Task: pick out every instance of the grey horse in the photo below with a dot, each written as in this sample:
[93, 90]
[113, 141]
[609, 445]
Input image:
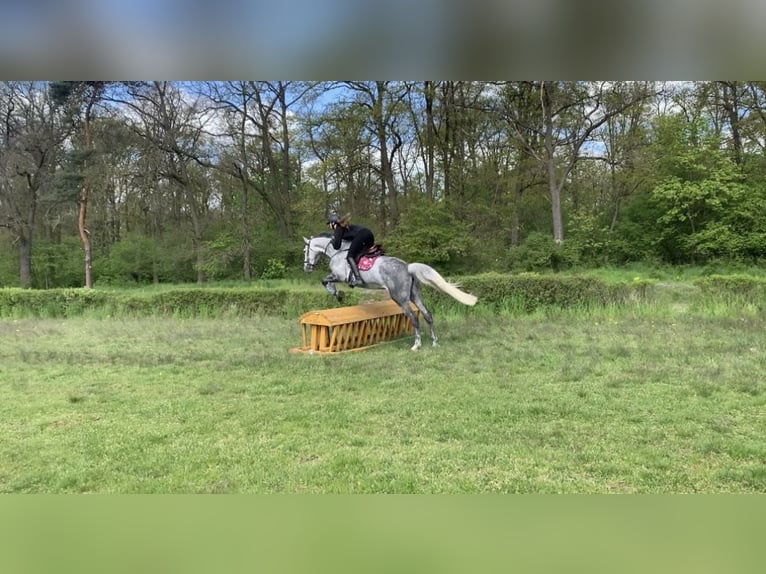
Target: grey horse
[401, 280]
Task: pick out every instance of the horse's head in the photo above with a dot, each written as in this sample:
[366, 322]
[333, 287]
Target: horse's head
[311, 253]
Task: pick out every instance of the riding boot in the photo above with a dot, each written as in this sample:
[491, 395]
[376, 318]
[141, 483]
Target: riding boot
[354, 278]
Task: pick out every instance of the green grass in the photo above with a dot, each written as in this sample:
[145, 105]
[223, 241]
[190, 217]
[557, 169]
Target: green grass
[670, 273]
[666, 398]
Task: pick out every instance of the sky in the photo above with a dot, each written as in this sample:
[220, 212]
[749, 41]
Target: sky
[395, 39]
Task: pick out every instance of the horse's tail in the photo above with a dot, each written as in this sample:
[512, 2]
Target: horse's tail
[431, 277]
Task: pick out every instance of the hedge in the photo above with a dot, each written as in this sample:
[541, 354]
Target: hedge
[496, 291]
[744, 287]
[184, 302]
[530, 291]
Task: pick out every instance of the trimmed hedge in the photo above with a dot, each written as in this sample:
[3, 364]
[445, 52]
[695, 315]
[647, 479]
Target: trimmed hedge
[494, 290]
[183, 302]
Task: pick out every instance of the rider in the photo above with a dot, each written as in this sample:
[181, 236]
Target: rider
[361, 240]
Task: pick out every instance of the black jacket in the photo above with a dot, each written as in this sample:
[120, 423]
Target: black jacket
[349, 234]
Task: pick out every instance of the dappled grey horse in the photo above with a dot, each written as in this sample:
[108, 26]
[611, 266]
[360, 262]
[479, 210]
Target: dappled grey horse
[400, 279]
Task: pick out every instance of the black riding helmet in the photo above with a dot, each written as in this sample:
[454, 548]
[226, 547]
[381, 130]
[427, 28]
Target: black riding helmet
[333, 218]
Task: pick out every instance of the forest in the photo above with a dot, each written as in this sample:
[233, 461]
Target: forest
[136, 182]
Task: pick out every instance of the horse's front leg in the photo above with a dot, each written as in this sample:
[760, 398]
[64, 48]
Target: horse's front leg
[329, 284]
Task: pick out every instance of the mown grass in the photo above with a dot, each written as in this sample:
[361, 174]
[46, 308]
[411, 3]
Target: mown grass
[650, 398]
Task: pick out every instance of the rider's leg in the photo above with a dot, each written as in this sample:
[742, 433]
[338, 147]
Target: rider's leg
[355, 278]
[358, 246]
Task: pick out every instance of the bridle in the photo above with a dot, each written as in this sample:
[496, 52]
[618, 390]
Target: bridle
[308, 266]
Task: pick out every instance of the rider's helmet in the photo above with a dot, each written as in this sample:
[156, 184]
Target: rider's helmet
[333, 218]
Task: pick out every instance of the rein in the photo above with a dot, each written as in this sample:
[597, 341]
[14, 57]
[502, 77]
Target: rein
[308, 265]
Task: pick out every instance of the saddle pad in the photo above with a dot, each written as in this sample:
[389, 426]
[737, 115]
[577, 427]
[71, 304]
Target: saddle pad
[366, 263]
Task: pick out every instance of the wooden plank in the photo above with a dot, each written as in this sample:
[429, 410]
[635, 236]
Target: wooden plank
[353, 313]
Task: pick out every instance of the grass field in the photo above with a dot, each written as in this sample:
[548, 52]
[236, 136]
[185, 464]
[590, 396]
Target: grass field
[656, 399]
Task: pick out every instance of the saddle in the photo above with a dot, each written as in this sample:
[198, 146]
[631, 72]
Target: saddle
[368, 258]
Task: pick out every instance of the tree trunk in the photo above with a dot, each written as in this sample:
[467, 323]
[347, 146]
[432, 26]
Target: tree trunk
[731, 106]
[430, 138]
[247, 271]
[287, 178]
[83, 211]
[550, 163]
[25, 258]
[85, 238]
[387, 173]
[246, 246]
[558, 225]
[516, 216]
[615, 215]
[448, 98]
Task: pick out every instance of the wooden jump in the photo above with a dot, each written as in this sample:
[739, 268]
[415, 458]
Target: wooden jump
[352, 328]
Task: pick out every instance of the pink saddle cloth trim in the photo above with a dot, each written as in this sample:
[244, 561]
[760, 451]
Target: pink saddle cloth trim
[366, 263]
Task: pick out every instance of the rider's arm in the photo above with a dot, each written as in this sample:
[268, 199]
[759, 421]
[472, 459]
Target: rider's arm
[338, 238]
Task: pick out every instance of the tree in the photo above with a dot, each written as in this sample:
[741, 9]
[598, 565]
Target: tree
[423, 118]
[338, 135]
[429, 233]
[82, 96]
[171, 120]
[571, 113]
[383, 101]
[707, 209]
[517, 108]
[31, 139]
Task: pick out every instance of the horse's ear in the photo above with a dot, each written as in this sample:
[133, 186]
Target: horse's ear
[305, 240]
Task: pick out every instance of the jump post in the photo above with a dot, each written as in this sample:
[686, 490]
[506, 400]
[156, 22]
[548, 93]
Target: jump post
[352, 328]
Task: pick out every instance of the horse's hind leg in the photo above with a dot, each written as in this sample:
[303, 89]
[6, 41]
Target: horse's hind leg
[404, 303]
[416, 296]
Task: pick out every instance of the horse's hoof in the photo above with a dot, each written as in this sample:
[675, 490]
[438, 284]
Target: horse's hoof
[414, 347]
[340, 295]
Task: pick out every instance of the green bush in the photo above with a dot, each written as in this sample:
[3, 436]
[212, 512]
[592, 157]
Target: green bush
[752, 289]
[182, 301]
[428, 233]
[9, 263]
[530, 291]
[275, 269]
[538, 252]
[131, 260]
[141, 259]
[223, 257]
[16, 302]
[58, 264]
